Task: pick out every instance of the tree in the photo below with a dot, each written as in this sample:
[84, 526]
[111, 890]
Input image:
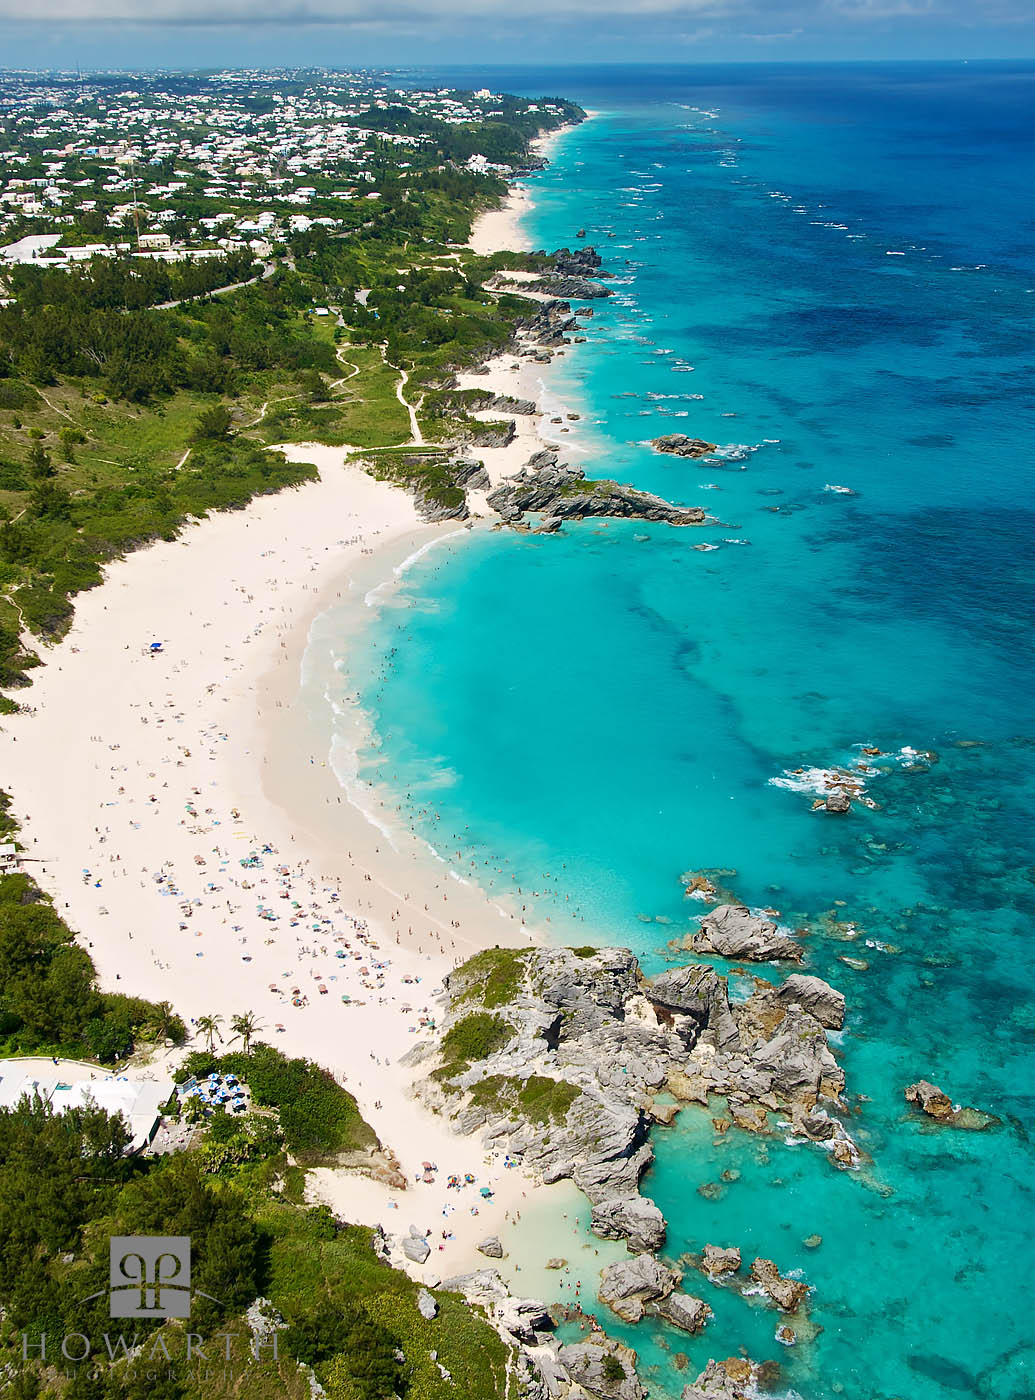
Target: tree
[40, 465]
[209, 1028]
[162, 1021]
[244, 1028]
[213, 424]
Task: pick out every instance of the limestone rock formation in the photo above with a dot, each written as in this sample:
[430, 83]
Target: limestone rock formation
[632, 1218]
[684, 1311]
[787, 1293]
[733, 932]
[816, 997]
[628, 1286]
[732, 1379]
[717, 1261]
[584, 1364]
[555, 489]
[937, 1105]
[679, 445]
[415, 1246]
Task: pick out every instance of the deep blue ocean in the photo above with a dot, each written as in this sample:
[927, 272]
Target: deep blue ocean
[830, 272]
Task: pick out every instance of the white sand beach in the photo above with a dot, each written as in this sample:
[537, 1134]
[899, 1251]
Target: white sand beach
[143, 779]
[502, 230]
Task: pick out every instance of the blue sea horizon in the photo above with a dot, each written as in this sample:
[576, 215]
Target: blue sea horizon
[829, 271]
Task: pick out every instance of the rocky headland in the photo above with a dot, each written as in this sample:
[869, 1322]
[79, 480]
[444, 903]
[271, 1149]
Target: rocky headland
[567, 1057]
[442, 472]
[556, 491]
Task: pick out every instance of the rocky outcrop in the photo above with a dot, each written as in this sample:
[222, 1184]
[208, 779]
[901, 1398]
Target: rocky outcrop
[563, 492]
[717, 1261]
[578, 262]
[415, 1246]
[679, 445]
[816, 997]
[584, 1363]
[635, 1219]
[733, 932]
[696, 991]
[787, 1293]
[612, 1042]
[732, 1379]
[475, 434]
[492, 1248]
[929, 1099]
[630, 1285]
[575, 288]
[426, 1305]
[684, 1311]
[522, 1318]
[432, 506]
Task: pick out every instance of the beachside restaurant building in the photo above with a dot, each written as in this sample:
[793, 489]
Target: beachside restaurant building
[71, 1084]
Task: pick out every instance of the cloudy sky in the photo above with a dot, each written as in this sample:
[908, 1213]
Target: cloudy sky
[338, 33]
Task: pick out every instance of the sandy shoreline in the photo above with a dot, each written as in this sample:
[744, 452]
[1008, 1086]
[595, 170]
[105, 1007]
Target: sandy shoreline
[143, 781]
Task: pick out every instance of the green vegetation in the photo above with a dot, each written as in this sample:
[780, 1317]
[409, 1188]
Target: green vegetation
[493, 977]
[586, 951]
[612, 1370]
[319, 1119]
[538, 1099]
[131, 399]
[429, 472]
[547, 1100]
[65, 1188]
[49, 1002]
[474, 1037]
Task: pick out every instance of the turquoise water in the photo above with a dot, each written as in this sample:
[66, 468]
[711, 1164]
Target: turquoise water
[589, 715]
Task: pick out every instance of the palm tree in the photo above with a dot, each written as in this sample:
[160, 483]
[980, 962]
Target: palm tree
[244, 1027]
[163, 1017]
[209, 1028]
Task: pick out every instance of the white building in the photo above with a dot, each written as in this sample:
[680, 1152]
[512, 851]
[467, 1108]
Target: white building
[138, 1101]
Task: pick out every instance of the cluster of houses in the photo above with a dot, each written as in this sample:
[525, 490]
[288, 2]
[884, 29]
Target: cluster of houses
[264, 146]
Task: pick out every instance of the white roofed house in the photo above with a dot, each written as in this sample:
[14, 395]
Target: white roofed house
[66, 1084]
